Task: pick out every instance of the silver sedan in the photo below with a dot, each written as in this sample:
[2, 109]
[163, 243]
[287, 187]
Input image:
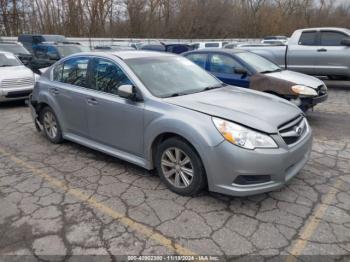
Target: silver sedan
[162, 111]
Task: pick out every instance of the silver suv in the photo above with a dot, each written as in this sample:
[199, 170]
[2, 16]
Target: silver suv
[162, 111]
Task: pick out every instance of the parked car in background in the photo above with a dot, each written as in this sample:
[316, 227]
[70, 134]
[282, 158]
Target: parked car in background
[231, 45]
[112, 48]
[245, 69]
[313, 51]
[16, 80]
[18, 50]
[125, 44]
[202, 45]
[176, 118]
[46, 54]
[29, 41]
[176, 48]
[275, 40]
[136, 45]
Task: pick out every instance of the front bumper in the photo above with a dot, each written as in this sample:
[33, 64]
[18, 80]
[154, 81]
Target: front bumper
[311, 102]
[225, 162]
[18, 93]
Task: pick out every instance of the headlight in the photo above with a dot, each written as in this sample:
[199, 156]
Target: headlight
[243, 137]
[304, 90]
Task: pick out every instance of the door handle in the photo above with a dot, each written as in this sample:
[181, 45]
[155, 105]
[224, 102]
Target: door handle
[55, 91]
[92, 101]
[322, 50]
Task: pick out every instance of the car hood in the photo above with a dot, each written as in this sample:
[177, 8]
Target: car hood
[15, 72]
[263, 112]
[297, 78]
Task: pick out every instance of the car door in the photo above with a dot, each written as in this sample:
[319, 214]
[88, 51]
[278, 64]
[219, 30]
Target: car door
[301, 57]
[68, 89]
[114, 121]
[330, 58]
[223, 66]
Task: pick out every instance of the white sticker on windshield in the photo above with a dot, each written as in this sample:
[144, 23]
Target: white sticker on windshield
[9, 56]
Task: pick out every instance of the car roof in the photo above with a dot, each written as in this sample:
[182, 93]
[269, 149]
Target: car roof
[140, 54]
[324, 29]
[128, 54]
[218, 50]
[57, 44]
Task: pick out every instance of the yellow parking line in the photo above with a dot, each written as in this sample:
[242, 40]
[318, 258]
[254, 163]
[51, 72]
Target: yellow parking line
[142, 229]
[314, 221]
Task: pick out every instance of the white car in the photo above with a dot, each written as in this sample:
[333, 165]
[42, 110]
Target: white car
[202, 45]
[16, 80]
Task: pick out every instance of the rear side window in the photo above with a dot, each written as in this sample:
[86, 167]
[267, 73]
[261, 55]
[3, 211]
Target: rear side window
[108, 77]
[199, 59]
[308, 38]
[212, 45]
[75, 71]
[178, 49]
[223, 64]
[154, 47]
[230, 46]
[331, 38]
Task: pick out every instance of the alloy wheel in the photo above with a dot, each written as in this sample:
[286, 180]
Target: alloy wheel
[50, 124]
[177, 167]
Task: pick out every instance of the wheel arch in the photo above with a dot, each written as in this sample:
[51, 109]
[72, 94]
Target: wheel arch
[195, 131]
[165, 136]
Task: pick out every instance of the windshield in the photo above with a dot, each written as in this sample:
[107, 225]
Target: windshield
[72, 49]
[9, 60]
[172, 76]
[260, 64]
[16, 49]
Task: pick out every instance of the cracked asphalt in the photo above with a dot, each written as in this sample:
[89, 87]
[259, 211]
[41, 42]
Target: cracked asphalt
[67, 200]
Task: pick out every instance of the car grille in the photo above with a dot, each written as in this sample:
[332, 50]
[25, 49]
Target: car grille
[292, 131]
[17, 82]
[321, 90]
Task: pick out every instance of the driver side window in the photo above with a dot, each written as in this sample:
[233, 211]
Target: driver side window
[223, 64]
[108, 77]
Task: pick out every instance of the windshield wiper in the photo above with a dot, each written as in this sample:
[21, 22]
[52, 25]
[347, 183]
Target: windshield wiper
[196, 91]
[271, 71]
[178, 94]
[5, 65]
[213, 87]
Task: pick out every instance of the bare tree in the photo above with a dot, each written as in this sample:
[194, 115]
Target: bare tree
[169, 18]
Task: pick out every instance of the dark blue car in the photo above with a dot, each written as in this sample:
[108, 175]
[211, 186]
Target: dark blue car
[230, 66]
[245, 69]
[176, 48]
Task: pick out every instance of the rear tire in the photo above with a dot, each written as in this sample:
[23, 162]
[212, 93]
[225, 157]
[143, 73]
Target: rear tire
[51, 127]
[180, 167]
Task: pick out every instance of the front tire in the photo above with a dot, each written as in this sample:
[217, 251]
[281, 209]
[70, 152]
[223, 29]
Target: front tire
[180, 167]
[51, 126]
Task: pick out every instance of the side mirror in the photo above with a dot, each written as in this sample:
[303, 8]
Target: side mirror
[128, 92]
[345, 42]
[240, 71]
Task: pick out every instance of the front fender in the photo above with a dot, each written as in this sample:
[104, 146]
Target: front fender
[197, 128]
